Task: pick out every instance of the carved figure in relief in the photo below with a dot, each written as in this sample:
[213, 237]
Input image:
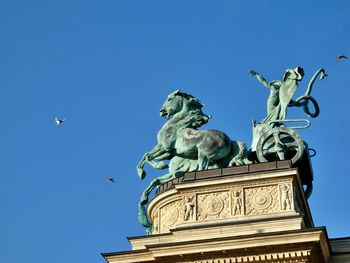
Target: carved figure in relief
[236, 203]
[285, 197]
[155, 223]
[189, 208]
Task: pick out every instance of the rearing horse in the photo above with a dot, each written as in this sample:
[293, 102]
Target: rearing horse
[188, 149]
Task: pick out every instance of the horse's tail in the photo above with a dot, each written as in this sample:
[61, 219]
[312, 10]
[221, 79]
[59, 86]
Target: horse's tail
[143, 218]
[239, 154]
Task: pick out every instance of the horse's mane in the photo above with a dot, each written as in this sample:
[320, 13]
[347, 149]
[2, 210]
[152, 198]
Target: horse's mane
[196, 102]
[195, 118]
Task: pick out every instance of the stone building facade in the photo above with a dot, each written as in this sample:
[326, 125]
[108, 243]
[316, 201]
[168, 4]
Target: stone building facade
[250, 213]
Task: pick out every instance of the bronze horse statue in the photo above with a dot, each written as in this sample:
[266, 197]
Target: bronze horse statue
[187, 148]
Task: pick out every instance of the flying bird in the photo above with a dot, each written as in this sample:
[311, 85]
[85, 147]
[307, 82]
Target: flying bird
[110, 180]
[341, 57]
[59, 121]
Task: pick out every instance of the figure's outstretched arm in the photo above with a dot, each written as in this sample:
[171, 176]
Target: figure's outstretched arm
[260, 78]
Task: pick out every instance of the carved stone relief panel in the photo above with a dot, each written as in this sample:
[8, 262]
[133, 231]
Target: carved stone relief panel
[262, 200]
[241, 200]
[171, 215]
[237, 202]
[156, 221]
[213, 206]
[286, 197]
[189, 208]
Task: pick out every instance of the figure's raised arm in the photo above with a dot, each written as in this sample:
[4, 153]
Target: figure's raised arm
[260, 78]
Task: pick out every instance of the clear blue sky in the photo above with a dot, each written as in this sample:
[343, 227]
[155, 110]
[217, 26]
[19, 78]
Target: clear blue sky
[107, 66]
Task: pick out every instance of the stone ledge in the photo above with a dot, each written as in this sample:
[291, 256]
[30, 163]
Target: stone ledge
[340, 245]
[291, 246]
[262, 195]
[218, 230]
[224, 172]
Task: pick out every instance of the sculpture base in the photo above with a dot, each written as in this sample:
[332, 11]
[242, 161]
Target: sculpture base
[252, 213]
[265, 192]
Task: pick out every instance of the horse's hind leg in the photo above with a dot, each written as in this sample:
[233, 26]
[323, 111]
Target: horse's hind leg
[154, 183]
[142, 215]
[239, 153]
[203, 161]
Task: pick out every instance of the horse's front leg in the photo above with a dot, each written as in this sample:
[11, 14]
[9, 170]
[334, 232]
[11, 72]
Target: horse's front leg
[140, 171]
[157, 165]
[148, 157]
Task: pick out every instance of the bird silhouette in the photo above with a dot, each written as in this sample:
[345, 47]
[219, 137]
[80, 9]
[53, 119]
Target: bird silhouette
[110, 180]
[341, 57]
[59, 121]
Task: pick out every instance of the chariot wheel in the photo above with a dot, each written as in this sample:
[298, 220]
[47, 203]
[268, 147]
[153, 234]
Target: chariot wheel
[280, 143]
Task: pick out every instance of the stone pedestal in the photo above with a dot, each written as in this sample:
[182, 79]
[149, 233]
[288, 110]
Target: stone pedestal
[254, 199]
[252, 213]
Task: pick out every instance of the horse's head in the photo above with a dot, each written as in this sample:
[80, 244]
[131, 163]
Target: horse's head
[176, 101]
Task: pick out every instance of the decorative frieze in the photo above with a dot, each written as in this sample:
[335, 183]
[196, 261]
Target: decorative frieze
[244, 200]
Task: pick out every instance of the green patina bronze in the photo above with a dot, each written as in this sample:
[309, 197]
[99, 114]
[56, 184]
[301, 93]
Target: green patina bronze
[187, 148]
[272, 139]
[281, 93]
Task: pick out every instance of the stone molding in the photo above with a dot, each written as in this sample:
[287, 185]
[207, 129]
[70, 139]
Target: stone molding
[236, 199]
[281, 257]
[309, 245]
[260, 216]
